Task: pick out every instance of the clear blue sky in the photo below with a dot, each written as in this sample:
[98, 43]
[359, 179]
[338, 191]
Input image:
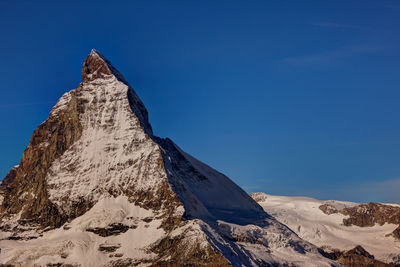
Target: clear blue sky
[285, 97]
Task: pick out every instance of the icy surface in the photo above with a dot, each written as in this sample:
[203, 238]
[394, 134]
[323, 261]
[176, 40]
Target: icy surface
[302, 215]
[220, 195]
[207, 193]
[257, 244]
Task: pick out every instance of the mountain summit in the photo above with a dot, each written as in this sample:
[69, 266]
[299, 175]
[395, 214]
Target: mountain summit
[95, 187]
[97, 66]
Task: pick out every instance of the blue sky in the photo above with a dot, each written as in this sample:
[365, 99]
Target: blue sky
[285, 97]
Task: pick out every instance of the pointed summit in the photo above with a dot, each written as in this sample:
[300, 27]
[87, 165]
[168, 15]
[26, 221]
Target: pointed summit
[97, 66]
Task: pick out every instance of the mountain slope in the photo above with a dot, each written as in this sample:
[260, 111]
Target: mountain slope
[310, 220]
[95, 187]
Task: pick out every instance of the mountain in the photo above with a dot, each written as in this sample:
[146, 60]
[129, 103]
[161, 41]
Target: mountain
[96, 187]
[339, 226]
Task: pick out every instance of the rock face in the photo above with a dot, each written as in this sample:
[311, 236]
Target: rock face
[259, 197]
[95, 187]
[365, 215]
[396, 233]
[371, 213]
[25, 192]
[356, 257]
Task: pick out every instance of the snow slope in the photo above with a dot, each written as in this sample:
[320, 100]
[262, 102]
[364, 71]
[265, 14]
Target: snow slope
[302, 215]
[249, 245]
[113, 154]
[73, 244]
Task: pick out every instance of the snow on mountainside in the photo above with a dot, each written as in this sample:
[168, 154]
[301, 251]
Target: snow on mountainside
[95, 187]
[305, 216]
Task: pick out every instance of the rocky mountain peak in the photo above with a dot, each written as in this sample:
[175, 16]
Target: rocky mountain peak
[94, 180]
[97, 66]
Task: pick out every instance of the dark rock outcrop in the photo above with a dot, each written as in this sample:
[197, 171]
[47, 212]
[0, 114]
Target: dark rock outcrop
[356, 257]
[107, 248]
[112, 229]
[396, 233]
[259, 197]
[370, 214]
[25, 188]
[8, 179]
[365, 215]
[180, 254]
[328, 209]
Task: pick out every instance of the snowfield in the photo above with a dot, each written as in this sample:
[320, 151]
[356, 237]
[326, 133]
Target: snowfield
[73, 244]
[303, 216]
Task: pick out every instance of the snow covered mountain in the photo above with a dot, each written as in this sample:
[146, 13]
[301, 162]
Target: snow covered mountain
[338, 225]
[95, 187]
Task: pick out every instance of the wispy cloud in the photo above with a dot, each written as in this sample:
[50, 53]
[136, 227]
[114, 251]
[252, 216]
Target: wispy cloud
[384, 191]
[335, 25]
[329, 57]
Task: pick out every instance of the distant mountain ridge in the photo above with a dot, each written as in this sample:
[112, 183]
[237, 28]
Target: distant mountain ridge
[352, 233]
[96, 187]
